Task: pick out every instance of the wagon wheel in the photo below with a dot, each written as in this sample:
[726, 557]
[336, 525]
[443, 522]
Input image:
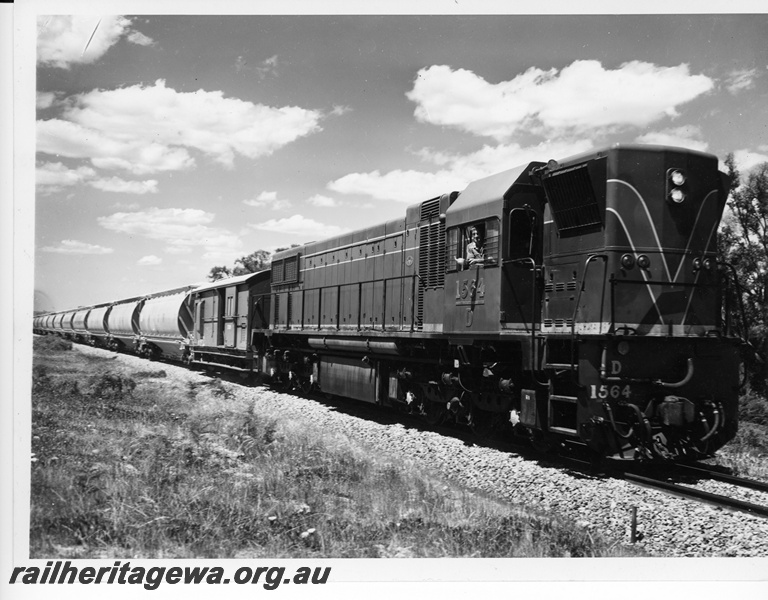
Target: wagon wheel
[305, 385]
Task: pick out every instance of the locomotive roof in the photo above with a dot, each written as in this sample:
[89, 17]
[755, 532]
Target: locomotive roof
[599, 152]
[472, 203]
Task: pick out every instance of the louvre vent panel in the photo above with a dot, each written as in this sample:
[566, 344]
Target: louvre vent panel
[432, 255]
[276, 319]
[289, 310]
[420, 309]
[572, 198]
[277, 271]
[291, 269]
[430, 209]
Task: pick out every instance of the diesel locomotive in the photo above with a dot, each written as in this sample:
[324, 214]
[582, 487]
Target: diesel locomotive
[575, 301]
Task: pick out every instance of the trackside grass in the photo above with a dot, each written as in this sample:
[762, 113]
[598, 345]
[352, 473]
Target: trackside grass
[747, 453]
[142, 464]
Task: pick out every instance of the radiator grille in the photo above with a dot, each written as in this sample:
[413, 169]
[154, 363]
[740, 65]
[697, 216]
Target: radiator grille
[289, 310]
[276, 319]
[277, 271]
[572, 198]
[430, 209]
[432, 254]
[291, 273]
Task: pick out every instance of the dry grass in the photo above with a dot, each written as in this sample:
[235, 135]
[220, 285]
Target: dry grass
[137, 464]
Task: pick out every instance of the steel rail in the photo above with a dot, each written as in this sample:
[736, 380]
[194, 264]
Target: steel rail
[761, 486]
[701, 496]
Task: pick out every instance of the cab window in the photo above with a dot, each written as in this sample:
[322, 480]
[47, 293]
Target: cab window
[473, 245]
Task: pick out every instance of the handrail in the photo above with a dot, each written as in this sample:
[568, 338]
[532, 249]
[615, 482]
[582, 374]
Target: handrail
[534, 267]
[590, 258]
[414, 300]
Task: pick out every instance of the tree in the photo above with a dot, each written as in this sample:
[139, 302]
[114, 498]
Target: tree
[252, 263]
[743, 242]
[217, 273]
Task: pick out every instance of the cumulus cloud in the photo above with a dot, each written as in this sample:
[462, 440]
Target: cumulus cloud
[411, 186]
[300, 225]
[182, 230]
[323, 201]
[746, 160]
[76, 247]
[268, 200]
[581, 97]
[740, 80]
[267, 67]
[138, 38]
[149, 261]
[45, 100]
[52, 177]
[148, 129]
[688, 136]
[115, 184]
[262, 69]
[66, 40]
[339, 110]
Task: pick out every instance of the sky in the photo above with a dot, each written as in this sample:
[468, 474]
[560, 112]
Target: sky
[169, 144]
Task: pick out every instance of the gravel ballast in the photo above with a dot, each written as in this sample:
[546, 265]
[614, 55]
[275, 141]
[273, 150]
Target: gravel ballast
[667, 526]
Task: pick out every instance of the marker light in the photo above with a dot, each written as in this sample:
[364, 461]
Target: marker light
[677, 178]
[677, 195]
[643, 261]
[627, 261]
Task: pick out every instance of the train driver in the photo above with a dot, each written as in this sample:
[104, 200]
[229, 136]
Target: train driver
[474, 250]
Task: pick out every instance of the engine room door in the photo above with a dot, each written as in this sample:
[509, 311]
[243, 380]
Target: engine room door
[230, 316]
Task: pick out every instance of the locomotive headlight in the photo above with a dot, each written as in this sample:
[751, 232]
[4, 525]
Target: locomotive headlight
[696, 263]
[643, 261]
[677, 178]
[623, 348]
[627, 261]
[677, 195]
[708, 264]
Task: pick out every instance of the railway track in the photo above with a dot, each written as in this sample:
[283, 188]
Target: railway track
[711, 498]
[717, 475]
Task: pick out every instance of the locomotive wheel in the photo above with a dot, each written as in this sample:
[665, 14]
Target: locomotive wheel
[434, 413]
[481, 422]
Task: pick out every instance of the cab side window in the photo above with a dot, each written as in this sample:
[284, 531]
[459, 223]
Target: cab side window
[473, 245]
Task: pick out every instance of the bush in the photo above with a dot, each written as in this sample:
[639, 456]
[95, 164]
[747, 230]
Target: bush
[51, 343]
[753, 408]
[111, 385]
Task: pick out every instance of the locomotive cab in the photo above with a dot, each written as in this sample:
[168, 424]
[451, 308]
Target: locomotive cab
[637, 353]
